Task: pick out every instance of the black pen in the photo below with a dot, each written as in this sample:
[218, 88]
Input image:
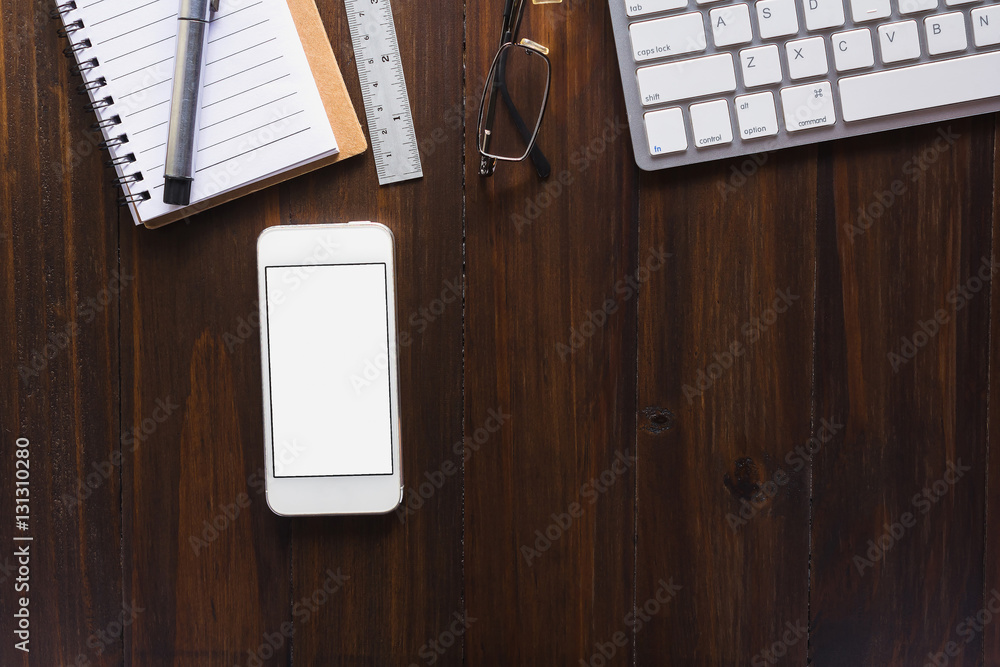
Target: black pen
[185, 101]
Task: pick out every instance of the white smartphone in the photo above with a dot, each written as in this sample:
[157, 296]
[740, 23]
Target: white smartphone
[329, 367]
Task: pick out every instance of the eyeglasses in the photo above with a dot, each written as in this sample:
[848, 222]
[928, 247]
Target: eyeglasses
[514, 98]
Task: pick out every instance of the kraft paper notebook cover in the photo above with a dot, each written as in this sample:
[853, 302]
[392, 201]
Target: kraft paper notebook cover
[275, 105]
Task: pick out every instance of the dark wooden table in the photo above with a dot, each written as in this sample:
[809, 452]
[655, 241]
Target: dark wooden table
[731, 414]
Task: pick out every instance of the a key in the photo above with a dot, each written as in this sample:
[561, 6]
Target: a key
[870, 10]
[672, 36]
[808, 107]
[686, 79]
[777, 18]
[986, 25]
[822, 14]
[946, 33]
[711, 123]
[924, 86]
[806, 58]
[756, 115]
[665, 131]
[899, 41]
[761, 66]
[643, 7]
[853, 50]
[731, 25]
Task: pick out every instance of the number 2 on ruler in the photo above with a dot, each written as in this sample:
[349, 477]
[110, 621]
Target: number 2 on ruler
[383, 87]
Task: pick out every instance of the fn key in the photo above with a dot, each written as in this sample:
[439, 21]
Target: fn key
[665, 131]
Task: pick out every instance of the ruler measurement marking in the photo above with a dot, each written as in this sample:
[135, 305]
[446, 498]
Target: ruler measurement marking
[383, 89]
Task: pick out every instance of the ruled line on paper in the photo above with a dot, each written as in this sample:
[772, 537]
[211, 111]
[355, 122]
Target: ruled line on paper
[250, 130]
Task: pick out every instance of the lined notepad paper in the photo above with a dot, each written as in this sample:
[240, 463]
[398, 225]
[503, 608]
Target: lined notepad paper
[261, 111]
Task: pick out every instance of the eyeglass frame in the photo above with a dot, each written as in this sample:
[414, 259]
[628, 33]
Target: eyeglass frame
[488, 161]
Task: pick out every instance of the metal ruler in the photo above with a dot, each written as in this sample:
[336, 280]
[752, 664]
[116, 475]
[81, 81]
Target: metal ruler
[390, 123]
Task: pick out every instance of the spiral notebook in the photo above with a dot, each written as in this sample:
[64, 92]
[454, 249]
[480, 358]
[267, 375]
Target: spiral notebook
[274, 103]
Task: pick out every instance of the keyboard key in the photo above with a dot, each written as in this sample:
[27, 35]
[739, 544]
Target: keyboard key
[761, 66]
[777, 18]
[923, 86]
[853, 50]
[870, 10]
[809, 106]
[946, 33]
[899, 41]
[915, 6]
[711, 123]
[705, 2]
[952, 3]
[731, 25]
[986, 25]
[806, 58]
[665, 131]
[643, 7]
[686, 79]
[756, 115]
[822, 14]
[672, 36]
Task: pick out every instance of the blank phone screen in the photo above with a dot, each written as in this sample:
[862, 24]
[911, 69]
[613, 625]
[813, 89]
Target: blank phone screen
[328, 358]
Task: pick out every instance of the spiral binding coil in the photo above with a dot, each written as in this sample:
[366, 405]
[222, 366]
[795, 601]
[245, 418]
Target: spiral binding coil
[90, 88]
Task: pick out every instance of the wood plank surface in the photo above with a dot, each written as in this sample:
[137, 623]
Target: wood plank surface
[404, 569]
[647, 419]
[725, 347]
[991, 630]
[902, 362]
[548, 545]
[58, 341]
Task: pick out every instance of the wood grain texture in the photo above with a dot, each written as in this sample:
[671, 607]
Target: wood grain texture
[545, 584]
[549, 331]
[902, 360]
[991, 631]
[59, 351]
[725, 344]
[207, 560]
[404, 569]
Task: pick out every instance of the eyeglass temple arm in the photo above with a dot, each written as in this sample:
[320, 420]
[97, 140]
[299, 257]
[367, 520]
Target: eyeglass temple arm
[538, 158]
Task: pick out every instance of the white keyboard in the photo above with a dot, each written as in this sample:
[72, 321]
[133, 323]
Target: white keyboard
[710, 79]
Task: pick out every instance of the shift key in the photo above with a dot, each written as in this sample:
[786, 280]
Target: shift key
[686, 79]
